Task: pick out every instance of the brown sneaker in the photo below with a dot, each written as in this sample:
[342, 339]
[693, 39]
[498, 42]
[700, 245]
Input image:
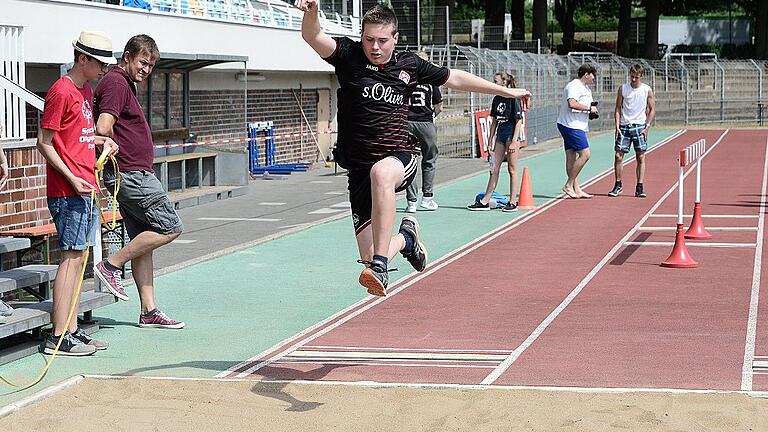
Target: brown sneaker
[374, 277]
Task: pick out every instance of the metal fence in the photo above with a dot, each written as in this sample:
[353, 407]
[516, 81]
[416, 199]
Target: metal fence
[12, 107]
[690, 89]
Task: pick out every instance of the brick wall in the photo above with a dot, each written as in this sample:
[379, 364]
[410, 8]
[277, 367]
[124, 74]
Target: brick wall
[218, 114]
[23, 202]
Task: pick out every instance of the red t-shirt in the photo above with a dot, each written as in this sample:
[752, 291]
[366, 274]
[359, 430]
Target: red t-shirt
[116, 95]
[68, 112]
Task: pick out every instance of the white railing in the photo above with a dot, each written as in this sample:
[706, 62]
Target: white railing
[12, 108]
[269, 13]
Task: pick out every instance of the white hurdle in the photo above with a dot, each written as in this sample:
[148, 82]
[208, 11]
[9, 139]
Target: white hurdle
[680, 258]
[697, 231]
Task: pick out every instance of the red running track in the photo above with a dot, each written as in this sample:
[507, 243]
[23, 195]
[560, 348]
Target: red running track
[579, 307]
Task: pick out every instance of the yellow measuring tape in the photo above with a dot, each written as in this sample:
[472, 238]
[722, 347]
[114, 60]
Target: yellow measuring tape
[76, 298]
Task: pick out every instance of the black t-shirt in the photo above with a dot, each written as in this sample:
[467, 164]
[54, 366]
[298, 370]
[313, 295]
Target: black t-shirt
[506, 109]
[373, 102]
[423, 101]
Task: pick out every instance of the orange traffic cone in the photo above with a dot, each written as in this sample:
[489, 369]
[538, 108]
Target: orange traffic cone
[525, 199]
[697, 230]
[679, 258]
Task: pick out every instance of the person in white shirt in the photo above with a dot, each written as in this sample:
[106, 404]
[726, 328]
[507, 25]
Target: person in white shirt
[573, 124]
[634, 112]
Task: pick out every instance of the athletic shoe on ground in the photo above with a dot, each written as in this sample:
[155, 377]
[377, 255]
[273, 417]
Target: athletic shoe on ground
[374, 277]
[112, 279]
[428, 204]
[511, 207]
[5, 312]
[639, 192]
[478, 206]
[159, 319]
[70, 346]
[88, 340]
[616, 191]
[411, 207]
[418, 256]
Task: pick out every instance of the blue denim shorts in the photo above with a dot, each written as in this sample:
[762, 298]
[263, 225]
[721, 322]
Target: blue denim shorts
[75, 220]
[630, 134]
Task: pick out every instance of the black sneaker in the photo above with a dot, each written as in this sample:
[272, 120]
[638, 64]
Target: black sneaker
[374, 277]
[418, 256]
[70, 346]
[511, 207]
[88, 340]
[616, 191]
[478, 206]
[639, 192]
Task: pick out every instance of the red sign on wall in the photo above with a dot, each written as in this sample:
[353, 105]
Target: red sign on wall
[483, 121]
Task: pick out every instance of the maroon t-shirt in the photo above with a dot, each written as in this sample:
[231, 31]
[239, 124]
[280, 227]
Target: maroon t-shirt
[116, 95]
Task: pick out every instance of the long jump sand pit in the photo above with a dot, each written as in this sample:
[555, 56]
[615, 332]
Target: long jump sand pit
[141, 404]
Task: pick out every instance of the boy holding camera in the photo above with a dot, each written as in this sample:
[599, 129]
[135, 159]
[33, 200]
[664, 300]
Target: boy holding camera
[573, 124]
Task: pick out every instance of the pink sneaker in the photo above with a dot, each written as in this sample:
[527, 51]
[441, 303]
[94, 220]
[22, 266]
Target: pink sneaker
[113, 280]
[159, 319]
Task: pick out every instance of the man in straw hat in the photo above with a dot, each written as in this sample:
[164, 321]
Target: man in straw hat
[67, 141]
[148, 214]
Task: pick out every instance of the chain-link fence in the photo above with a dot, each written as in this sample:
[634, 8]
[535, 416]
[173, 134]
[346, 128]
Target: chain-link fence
[689, 89]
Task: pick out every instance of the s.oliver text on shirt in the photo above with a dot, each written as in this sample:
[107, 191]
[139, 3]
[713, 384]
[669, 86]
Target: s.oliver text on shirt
[381, 93]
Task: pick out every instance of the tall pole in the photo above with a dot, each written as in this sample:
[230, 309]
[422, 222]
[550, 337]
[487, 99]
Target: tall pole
[418, 24]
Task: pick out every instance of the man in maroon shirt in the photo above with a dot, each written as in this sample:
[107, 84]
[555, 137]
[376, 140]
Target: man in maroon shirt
[148, 214]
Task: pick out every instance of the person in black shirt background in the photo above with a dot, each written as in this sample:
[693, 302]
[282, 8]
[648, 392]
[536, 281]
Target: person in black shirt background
[426, 103]
[507, 115]
[373, 144]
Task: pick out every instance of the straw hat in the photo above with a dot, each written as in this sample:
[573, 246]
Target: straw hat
[97, 45]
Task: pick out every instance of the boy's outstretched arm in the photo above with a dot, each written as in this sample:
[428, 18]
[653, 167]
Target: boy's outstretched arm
[311, 30]
[465, 81]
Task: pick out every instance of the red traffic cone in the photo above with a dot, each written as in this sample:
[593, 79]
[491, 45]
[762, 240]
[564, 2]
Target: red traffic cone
[697, 230]
[525, 199]
[680, 257]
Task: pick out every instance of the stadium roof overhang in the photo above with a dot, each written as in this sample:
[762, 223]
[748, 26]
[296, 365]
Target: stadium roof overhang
[189, 62]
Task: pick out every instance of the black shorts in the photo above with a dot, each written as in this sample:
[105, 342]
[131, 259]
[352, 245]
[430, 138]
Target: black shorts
[359, 185]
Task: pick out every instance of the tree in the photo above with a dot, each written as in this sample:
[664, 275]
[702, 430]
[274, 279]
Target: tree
[494, 13]
[651, 29]
[564, 10]
[540, 20]
[761, 32]
[518, 19]
[625, 16]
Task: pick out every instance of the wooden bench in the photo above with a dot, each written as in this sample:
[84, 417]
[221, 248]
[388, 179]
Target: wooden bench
[184, 170]
[12, 244]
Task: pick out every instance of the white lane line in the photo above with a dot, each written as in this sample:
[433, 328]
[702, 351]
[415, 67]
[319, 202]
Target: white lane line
[335, 193]
[760, 364]
[321, 181]
[183, 241]
[506, 364]
[342, 205]
[354, 348]
[693, 244]
[272, 203]
[734, 216]
[749, 346]
[398, 355]
[327, 210]
[671, 228]
[292, 343]
[370, 363]
[233, 219]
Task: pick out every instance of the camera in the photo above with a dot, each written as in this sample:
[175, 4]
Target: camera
[593, 115]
